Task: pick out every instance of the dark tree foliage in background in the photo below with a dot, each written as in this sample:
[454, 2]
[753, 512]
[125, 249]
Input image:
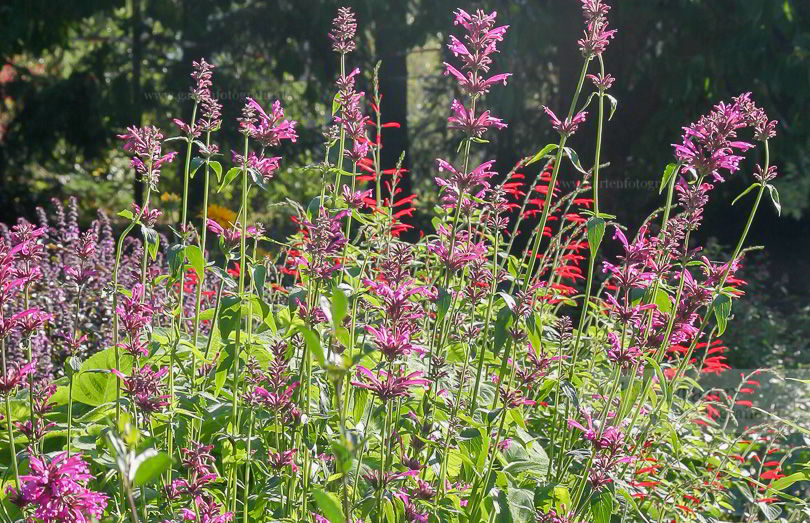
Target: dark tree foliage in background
[76, 73]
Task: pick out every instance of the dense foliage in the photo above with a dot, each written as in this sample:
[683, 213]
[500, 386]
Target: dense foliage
[221, 372]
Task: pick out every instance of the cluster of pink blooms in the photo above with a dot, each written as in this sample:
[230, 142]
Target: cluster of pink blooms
[597, 35]
[267, 129]
[344, 27]
[475, 52]
[199, 463]
[351, 120]
[400, 314]
[57, 489]
[146, 143]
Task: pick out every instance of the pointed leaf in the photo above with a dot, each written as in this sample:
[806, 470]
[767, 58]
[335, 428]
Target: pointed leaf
[748, 190]
[329, 505]
[217, 167]
[196, 162]
[148, 466]
[543, 152]
[596, 230]
[669, 172]
[775, 199]
[722, 310]
[232, 173]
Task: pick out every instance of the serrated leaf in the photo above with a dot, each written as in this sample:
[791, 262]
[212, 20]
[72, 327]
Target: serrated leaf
[669, 172]
[259, 278]
[313, 207]
[229, 315]
[722, 310]
[596, 230]
[502, 323]
[542, 153]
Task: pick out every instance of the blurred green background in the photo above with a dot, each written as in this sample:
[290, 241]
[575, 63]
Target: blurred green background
[74, 74]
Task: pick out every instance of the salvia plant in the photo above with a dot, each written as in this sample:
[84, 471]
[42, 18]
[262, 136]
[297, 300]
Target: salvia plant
[211, 373]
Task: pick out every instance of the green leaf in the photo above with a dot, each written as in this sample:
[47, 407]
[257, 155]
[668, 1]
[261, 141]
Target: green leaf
[722, 310]
[313, 207]
[95, 384]
[669, 172]
[442, 304]
[662, 380]
[195, 257]
[602, 506]
[613, 104]
[72, 365]
[543, 152]
[176, 259]
[259, 278]
[196, 162]
[336, 103]
[574, 157]
[126, 213]
[339, 306]
[596, 230]
[313, 344]
[148, 466]
[521, 505]
[748, 190]
[152, 241]
[502, 323]
[329, 505]
[388, 508]
[775, 199]
[232, 173]
[217, 167]
[783, 483]
[229, 315]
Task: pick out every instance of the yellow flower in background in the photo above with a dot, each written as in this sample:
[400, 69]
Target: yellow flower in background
[222, 215]
[170, 197]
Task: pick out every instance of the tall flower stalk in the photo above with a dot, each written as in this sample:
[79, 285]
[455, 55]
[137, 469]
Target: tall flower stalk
[146, 145]
[592, 46]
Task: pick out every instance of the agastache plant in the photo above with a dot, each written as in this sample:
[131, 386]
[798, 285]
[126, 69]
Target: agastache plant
[345, 374]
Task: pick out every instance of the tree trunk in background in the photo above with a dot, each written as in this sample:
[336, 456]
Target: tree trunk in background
[391, 46]
[137, 110]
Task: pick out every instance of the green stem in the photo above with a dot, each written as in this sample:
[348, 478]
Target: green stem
[235, 366]
[9, 425]
[116, 270]
[342, 148]
[547, 201]
[247, 468]
[203, 237]
[592, 258]
[184, 212]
